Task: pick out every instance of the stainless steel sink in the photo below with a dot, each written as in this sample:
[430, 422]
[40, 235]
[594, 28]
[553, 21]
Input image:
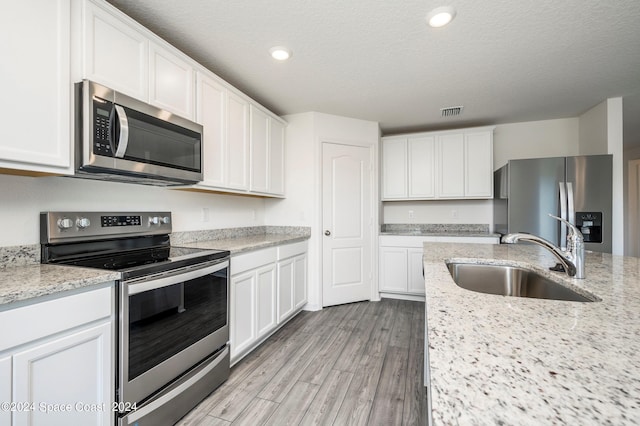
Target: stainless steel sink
[510, 281]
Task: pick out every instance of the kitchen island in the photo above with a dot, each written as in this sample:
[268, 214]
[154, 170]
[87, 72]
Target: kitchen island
[510, 360]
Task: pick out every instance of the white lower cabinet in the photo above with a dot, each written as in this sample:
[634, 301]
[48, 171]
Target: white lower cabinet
[268, 287]
[58, 360]
[401, 265]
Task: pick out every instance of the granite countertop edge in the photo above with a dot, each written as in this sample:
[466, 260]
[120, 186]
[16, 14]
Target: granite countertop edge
[29, 283]
[241, 245]
[455, 234]
[505, 360]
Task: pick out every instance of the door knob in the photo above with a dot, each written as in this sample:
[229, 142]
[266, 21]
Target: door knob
[327, 232]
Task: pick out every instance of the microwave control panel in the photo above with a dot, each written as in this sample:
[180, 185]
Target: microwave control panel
[101, 114]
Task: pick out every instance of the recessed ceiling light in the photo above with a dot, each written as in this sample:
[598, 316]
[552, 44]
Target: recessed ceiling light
[280, 53]
[441, 16]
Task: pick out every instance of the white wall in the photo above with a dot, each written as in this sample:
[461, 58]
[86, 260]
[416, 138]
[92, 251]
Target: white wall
[305, 134]
[593, 131]
[601, 133]
[535, 139]
[23, 198]
[441, 211]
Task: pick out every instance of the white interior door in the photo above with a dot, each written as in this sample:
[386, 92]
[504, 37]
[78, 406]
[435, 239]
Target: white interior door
[347, 221]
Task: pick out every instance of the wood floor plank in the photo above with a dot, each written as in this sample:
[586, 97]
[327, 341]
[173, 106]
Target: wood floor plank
[257, 412]
[213, 421]
[379, 338]
[234, 396]
[286, 377]
[388, 404]
[415, 395]
[353, 350]
[294, 406]
[356, 406]
[324, 360]
[324, 407]
[401, 331]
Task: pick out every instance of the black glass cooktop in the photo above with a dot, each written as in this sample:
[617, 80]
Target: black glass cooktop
[133, 257]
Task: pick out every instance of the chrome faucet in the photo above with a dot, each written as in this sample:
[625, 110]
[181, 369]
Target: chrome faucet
[572, 259]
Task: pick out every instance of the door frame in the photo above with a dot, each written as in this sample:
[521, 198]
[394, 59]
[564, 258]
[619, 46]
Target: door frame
[375, 210]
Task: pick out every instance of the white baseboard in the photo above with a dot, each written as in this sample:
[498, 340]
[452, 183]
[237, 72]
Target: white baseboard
[414, 297]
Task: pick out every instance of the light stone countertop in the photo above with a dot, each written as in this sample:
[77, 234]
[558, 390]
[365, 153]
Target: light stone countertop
[511, 360]
[245, 244]
[20, 283]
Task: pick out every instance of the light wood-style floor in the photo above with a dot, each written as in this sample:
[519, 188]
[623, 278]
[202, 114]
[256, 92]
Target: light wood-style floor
[355, 364]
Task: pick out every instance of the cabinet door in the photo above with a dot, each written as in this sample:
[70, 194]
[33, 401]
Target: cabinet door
[300, 281]
[394, 168]
[243, 312]
[451, 167]
[259, 139]
[478, 163]
[285, 289]
[422, 167]
[415, 277]
[35, 83]
[238, 142]
[266, 290]
[115, 54]
[171, 82]
[72, 369]
[276, 158]
[211, 109]
[393, 269]
[5, 388]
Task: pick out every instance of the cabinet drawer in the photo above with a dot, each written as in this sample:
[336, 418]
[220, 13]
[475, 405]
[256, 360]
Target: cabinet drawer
[252, 260]
[291, 250]
[53, 316]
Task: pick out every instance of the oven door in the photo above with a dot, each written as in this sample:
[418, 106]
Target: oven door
[168, 323]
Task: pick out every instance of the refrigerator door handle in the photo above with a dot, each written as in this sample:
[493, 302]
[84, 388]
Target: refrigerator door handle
[563, 214]
[570, 204]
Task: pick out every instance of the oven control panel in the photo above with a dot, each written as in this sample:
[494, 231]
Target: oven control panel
[83, 226]
[108, 221]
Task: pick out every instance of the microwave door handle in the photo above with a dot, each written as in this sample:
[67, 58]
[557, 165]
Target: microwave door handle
[123, 140]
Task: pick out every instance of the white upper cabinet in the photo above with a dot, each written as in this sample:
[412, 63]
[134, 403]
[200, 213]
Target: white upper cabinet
[454, 164]
[394, 168]
[422, 161]
[171, 82]
[114, 53]
[267, 153]
[478, 165]
[211, 113]
[35, 83]
[238, 142]
[259, 150]
[276, 157]
[451, 166]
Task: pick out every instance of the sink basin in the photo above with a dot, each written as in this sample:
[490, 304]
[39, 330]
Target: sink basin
[510, 281]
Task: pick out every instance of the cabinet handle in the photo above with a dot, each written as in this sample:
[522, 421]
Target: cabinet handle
[327, 232]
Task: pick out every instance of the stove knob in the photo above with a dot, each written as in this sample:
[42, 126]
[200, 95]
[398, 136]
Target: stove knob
[166, 220]
[65, 223]
[83, 223]
[154, 220]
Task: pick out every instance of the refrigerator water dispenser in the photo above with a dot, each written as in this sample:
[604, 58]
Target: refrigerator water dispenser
[590, 224]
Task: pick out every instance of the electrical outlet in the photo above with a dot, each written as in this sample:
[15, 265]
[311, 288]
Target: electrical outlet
[454, 214]
[205, 214]
[410, 214]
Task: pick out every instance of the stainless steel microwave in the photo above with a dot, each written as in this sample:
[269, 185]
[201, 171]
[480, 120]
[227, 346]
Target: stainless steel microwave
[123, 139]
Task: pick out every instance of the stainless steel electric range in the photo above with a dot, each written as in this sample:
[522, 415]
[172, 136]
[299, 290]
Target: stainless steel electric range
[173, 307]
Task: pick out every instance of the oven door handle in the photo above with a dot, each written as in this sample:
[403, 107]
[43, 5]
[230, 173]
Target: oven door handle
[172, 277]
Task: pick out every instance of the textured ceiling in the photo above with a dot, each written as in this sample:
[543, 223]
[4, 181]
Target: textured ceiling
[504, 60]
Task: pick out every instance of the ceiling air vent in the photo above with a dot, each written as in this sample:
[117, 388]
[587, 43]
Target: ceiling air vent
[451, 111]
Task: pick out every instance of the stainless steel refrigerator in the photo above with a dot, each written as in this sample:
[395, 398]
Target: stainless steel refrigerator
[575, 188]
